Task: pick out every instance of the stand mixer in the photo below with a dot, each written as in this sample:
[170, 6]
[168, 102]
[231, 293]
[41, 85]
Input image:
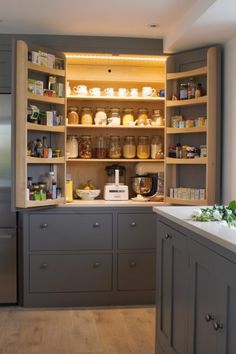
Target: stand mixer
[148, 184]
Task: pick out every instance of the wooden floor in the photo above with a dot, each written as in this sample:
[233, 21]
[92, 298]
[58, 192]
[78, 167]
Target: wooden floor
[77, 331]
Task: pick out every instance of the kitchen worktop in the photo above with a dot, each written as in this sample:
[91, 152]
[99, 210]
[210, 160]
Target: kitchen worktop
[216, 231]
[115, 203]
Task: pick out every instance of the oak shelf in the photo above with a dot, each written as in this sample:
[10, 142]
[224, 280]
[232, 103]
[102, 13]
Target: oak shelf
[190, 102]
[199, 202]
[39, 203]
[45, 70]
[46, 128]
[194, 161]
[46, 99]
[115, 160]
[38, 160]
[185, 74]
[116, 98]
[113, 126]
[186, 130]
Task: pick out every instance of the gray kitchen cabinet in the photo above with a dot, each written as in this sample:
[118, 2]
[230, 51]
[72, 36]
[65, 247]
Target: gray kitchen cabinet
[172, 290]
[73, 256]
[5, 71]
[196, 295]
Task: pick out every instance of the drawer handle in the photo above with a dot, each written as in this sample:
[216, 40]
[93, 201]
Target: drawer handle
[132, 264]
[168, 236]
[96, 265]
[96, 224]
[217, 326]
[133, 224]
[44, 266]
[44, 226]
[209, 317]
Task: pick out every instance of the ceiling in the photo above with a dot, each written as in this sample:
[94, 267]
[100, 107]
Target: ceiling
[183, 24]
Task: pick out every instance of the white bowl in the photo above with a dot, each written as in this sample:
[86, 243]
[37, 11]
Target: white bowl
[88, 194]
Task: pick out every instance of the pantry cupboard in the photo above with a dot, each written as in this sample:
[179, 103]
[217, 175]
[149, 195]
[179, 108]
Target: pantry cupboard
[104, 76]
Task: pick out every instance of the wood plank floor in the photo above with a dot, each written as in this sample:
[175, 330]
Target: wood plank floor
[77, 331]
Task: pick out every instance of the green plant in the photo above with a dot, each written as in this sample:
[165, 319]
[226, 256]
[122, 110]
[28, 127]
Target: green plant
[217, 213]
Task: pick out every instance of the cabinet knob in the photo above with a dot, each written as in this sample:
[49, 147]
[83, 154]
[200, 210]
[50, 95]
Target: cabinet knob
[133, 224]
[44, 226]
[132, 264]
[217, 326]
[168, 236]
[209, 317]
[44, 265]
[96, 224]
[96, 265]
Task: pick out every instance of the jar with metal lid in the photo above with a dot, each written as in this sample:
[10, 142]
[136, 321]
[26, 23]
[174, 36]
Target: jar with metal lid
[114, 151]
[129, 147]
[157, 147]
[114, 116]
[142, 118]
[100, 150]
[183, 91]
[143, 147]
[157, 118]
[100, 116]
[85, 147]
[73, 116]
[128, 116]
[86, 116]
[71, 147]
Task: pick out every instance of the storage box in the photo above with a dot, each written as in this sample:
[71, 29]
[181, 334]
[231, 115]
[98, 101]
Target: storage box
[31, 85]
[43, 58]
[51, 61]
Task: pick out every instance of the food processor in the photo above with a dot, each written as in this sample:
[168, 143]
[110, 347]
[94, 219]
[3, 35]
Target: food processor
[115, 188]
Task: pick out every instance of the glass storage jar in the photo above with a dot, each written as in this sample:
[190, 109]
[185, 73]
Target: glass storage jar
[142, 118]
[73, 116]
[100, 150]
[71, 147]
[100, 116]
[157, 118]
[86, 116]
[129, 147]
[128, 116]
[114, 151]
[143, 147]
[157, 147]
[85, 147]
[114, 116]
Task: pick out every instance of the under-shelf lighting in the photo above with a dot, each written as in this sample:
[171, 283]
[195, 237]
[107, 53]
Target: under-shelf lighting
[115, 57]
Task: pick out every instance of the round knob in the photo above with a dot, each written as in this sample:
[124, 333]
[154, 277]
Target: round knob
[44, 226]
[217, 325]
[168, 236]
[132, 264]
[133, 224]
[96, 224]
[44, 265]
[209, 317]
[96, 265]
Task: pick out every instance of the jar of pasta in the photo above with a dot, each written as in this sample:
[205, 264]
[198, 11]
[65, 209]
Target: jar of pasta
[86, 116]
[143, 147]
[128, 116]
[142, 118]
[114, 150]
[129, 147]
[85, 147]
[73, 117]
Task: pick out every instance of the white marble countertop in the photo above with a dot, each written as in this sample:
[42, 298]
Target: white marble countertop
[216, 231]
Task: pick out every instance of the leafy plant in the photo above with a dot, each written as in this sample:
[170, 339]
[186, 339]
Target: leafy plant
[217, 213]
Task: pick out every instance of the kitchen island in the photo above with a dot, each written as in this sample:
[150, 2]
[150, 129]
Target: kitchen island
[196, 284]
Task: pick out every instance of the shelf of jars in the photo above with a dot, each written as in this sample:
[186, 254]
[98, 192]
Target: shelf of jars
[41, 160]
[201, 202]
[186, 130]
[186, 74]
[187, 102]
[114, 160]
[94, 126]
[45, 70]
[116, 98]
[46, 128]
[189, 161]
[46, 99]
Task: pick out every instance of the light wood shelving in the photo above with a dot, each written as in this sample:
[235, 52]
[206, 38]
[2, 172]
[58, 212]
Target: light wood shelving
[45, 99]
[195, 161]
[190, 102]
[52, 161]
[45, 70]
[41, 203]
[81, 126]
[116, 98]
[186, 130]
[199, 202]
[46, 128]
[187, 74]
[115, 160]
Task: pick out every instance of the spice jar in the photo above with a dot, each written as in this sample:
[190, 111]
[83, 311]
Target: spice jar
[128, 116]
[129, 147]
[73, 117]
[114, 151]
[157, 119]
[86, 116]
[85, 147]
[143, 148]
[142, 118]
[100, 150]
[156, 147]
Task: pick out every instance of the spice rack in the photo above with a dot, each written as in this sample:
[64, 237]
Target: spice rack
[200, 173]
[30, 166]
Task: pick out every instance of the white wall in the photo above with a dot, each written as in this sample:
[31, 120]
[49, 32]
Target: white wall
[229, 122]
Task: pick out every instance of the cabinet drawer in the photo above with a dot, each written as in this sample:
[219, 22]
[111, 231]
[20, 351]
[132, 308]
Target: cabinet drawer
[70, 232]
[136, 231]
[136, 271]
[68, 273]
